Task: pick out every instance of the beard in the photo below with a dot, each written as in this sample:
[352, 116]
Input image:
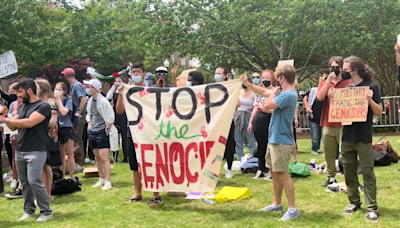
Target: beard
[26, 98]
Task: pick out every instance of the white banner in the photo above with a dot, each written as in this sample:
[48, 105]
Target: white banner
[180, 133]
[8, 64]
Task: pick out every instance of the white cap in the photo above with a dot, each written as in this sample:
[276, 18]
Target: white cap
[93, 82]
[161, 69]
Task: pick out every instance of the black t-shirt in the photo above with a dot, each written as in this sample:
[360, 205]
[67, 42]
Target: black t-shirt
[362, 131]
[33, 139]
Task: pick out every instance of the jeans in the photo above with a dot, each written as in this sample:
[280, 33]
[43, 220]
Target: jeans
[239, 139]
[30, 168]
[316, 135]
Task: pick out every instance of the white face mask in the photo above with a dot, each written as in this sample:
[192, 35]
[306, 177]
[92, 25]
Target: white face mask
[58, 92]
[136, 79]
[188, 84]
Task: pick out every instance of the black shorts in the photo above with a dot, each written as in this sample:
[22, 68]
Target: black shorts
[132, 155]
[65, 134]
[98, 139]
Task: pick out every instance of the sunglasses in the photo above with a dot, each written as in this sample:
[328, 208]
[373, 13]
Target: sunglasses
[335, 67]
[164, 75]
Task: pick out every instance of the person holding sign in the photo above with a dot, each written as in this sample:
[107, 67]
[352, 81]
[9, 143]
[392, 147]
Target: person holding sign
[332, 132]
[357, 141]
[138, 74]
[283, 101]
[260, 117]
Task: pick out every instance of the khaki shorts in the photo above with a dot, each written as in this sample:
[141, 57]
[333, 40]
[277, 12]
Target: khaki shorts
[278, 157]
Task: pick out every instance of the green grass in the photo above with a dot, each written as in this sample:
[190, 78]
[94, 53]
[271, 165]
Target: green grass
[95, 208]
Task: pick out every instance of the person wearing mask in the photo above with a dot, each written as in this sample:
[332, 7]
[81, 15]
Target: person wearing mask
[100, 117]
[66, 131]
[32, 121]
[332, 132]
[260, 118]
[241, 119]
[46, 94]
[121, 121]
[357, 141]
[283, 100]
[220, 76]
[78, 97]
[314, 118]
[195, 78]
[137, 74]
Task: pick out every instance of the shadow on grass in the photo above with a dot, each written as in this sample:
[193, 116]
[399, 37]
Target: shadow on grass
[122, 184]
[392, 214]
[58, 217]
[69, 198]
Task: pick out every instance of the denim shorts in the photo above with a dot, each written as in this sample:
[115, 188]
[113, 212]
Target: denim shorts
[98, 139]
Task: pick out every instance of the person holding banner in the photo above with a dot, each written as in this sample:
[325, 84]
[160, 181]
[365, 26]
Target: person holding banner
[242, 117]
[138, 74]
[283, 101]
[332, 132]
[357, 140]
[100, 117]
[260, 117]
[220, 76]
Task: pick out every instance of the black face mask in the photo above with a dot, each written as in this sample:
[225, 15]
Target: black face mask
[13, 97]
[266, 83]
[244, 87]
[337, 71]
[346, 75]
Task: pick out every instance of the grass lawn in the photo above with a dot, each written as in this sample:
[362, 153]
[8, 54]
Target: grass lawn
[95, 208]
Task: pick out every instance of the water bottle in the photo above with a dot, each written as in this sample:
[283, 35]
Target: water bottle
[208, 201]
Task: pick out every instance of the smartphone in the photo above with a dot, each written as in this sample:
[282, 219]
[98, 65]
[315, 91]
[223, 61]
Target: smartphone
[398, 39]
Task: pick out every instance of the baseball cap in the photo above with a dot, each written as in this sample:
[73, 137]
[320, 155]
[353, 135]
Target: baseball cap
[68, 71]
[162, 69]
[93, 82]
[149, 76]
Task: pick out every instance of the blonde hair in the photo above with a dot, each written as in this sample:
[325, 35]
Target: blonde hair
[44, 91]
[288, 71]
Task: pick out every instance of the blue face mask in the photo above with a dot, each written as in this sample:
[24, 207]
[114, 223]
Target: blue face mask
[256, 81]
[188, 84]
[218, 78]
[136, 79]
[88, 92]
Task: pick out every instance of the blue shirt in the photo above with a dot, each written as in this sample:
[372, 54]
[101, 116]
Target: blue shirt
[77, 91]
[280, 127]
[65, 121]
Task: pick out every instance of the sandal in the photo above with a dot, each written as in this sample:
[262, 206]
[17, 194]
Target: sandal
[134, 199]
[155, 201]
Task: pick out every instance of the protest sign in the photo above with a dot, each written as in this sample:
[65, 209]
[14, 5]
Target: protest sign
[8, 64]
[348, 104]
[180, 133]
[289, 62]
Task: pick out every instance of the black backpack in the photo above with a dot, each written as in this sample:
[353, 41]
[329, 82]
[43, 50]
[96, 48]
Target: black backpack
[381, 158]
[72, 116]
[66, 186]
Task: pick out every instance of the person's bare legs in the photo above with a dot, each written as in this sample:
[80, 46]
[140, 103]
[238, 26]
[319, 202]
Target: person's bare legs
[63, 166]
[99, 163]
[105, 163]
[69, 149]
[14, 166]
[47, 178]
[137, 184]
[278, 188]
[288, 185]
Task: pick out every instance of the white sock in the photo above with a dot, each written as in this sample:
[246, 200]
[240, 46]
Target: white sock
[332, 179]
[292, 210]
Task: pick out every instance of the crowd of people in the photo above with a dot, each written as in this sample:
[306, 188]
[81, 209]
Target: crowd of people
[266, 115]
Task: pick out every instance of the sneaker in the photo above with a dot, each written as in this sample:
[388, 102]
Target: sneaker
[99, 183]
[259, 174]
[229, 174]
[14, 184]
[107, 185]
[44, 218]
[372, 215]
[314, 152]
[328, 182]
[272, 208]
[7, 177]
[269, 177]
[87, 160]
[351, 209]
[25, 216]
[289, 216]
[92, 162]
[15, 195]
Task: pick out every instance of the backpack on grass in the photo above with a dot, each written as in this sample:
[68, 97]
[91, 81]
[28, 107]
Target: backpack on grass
[297, 169]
